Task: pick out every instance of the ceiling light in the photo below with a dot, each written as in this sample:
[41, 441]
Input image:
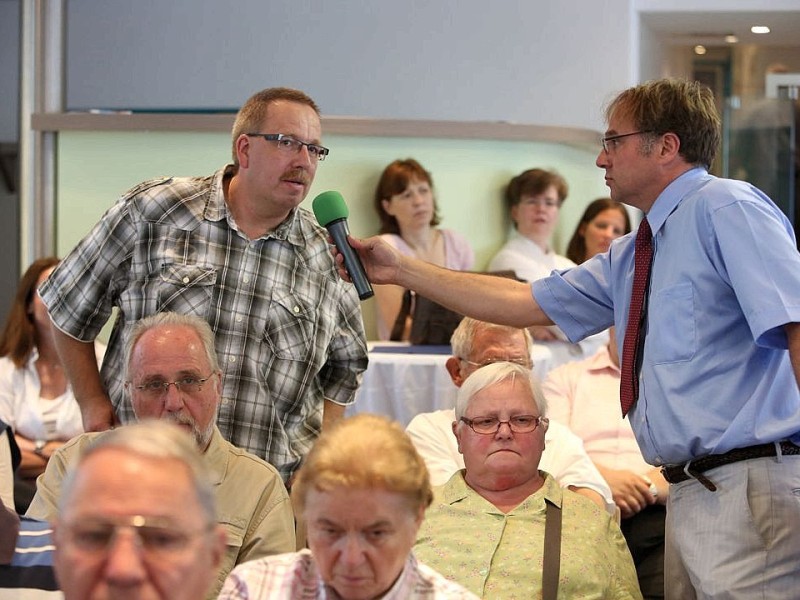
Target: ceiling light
[699, 49]
[759, 29]
[731, 39]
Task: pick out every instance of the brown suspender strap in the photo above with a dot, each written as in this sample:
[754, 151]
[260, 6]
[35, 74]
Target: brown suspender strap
[552, 551]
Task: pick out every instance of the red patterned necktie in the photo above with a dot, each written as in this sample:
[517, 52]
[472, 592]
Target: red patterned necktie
[629, 378]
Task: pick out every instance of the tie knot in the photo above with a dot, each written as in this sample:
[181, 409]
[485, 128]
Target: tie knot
[644, 237]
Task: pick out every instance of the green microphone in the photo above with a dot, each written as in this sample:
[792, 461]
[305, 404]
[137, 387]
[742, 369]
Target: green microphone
[331, 212]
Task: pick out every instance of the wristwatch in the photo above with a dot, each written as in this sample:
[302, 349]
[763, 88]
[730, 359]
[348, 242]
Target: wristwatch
[39, 447]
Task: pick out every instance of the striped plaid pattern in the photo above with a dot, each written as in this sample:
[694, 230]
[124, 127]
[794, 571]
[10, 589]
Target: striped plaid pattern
[288, 330]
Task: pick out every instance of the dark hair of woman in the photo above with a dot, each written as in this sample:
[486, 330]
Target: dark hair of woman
[394, 180]
[17, 340]
[576, 249]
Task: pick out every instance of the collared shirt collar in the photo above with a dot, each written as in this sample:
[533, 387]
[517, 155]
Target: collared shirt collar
[601, 361]
[672, 195]
[457, 490]
[216, 456]
[217, 209]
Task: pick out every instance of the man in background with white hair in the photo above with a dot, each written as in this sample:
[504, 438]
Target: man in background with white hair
[172, 374]
[137, 518]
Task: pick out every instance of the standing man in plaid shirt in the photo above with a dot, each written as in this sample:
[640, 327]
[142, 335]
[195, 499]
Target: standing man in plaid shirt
[235, 249]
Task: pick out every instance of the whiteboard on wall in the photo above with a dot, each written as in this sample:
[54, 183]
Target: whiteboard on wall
[549, 63]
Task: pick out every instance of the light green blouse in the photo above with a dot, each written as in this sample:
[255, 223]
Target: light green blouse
[499, 556]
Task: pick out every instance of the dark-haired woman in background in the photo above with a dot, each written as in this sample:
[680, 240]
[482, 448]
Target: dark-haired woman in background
[406, 205]
[35, 397]
[603, 221]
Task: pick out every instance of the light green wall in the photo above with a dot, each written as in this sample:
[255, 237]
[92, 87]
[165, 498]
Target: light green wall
[95, 168]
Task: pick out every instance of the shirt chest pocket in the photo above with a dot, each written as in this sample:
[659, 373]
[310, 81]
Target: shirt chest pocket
[290, 329]
[672, 331]
[186, 289]
[235, 532]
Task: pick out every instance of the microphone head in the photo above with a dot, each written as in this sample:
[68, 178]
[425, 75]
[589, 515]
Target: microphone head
[329, 207]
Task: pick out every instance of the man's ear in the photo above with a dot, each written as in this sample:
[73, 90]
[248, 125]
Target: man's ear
[453, 366]
[455, 433]
[243, 151]
[670, 145]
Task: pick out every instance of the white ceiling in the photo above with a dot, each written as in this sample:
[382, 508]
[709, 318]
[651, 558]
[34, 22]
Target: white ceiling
[709, 28]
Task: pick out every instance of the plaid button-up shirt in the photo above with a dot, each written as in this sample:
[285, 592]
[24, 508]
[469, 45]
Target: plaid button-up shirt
[288, 330]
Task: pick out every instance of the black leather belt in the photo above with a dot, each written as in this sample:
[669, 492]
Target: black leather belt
[694, 469]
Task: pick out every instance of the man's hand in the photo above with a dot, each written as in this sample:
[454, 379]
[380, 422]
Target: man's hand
[630, 491]
[98, 414]
[380, 260]
[662, 485]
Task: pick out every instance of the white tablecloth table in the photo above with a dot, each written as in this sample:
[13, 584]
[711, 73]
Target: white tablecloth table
[401, 385]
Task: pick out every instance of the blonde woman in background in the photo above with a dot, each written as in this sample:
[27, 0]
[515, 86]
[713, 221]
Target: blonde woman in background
[362, 493]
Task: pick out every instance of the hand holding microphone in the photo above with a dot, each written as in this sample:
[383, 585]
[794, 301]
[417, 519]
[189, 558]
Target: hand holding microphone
[331, 212]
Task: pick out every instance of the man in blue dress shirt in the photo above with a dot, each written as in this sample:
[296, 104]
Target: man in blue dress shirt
[718, 401]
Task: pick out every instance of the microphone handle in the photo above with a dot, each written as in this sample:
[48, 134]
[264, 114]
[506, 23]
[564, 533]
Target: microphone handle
[339, 232]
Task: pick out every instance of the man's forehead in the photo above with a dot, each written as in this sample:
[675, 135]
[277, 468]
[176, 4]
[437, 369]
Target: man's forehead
[126, 473]
[620, 120]
[169, 349]
[510, 388]
[499, 344]
[291, 115]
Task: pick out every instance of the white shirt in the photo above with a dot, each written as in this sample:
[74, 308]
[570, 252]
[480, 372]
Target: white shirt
[585, 396]
[527, 259]
[564, 456]
[23, 408]
[6, 469]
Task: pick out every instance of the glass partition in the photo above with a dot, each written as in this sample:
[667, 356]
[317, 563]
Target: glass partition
[760, 142]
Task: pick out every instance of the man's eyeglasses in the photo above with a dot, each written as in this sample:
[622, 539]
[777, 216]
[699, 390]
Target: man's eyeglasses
[292, 145]
[518, 424]
[517, 360]
[157, 538]
[158, 388]
[609, 142]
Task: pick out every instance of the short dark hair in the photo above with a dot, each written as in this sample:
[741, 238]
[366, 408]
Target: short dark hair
[534, 182]
[685, 108]
[394, 180]
[254, 111]
[17, 340]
